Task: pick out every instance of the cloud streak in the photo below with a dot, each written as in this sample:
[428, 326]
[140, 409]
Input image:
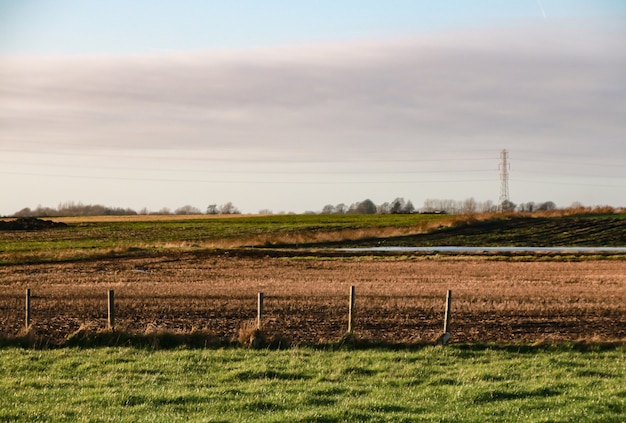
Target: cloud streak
[518, 84]
[540, 91]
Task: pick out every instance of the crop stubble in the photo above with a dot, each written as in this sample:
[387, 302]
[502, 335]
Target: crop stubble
[306, 300]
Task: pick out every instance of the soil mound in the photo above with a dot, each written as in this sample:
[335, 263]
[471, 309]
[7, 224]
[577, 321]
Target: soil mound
[29, 224]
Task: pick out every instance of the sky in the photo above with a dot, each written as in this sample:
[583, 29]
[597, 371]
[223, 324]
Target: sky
[292, 105]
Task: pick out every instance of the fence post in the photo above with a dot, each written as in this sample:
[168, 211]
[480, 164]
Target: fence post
[445, 337]
[259, 315]
[351, 310]
[446, 322]
[27, 308]
[111, 307]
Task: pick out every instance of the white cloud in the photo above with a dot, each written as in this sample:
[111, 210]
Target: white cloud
[540, 90]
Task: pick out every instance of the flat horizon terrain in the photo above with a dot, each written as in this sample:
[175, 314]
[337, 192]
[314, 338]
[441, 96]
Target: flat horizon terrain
[535, 337]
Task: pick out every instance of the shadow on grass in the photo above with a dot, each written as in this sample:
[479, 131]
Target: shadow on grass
[165, 339]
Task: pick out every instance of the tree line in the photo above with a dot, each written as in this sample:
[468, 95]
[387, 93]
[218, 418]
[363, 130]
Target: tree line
[78, 209]
[367, 206]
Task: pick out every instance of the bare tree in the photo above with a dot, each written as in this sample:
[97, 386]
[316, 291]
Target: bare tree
[408, 207]
[364, 207]
[383, 208]
[328, 209]
[397, 205]
[469, 206]
[229, 208]
[187, 210]
[547, 206]
[507, 206]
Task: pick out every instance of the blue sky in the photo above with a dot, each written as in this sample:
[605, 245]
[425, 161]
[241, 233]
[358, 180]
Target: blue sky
[118, 26]
[289, 105]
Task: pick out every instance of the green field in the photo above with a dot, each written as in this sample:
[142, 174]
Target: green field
[88, 238]
[141, 235]
[433, 384]
[524, 231]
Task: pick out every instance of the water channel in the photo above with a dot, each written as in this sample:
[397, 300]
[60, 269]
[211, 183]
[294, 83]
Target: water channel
[453, 249]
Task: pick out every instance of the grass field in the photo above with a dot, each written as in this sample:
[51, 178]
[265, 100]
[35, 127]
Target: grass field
[432, 384]
[522, 230]
[87, 238]
[132, 236]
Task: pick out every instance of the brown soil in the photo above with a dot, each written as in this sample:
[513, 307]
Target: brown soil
[306, 300]
[29, 224]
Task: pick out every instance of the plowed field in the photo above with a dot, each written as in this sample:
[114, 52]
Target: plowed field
[306, 300]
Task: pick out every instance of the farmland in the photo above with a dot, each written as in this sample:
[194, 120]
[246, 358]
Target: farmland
[169, 276]
[399, 299]
[536, 337]
[86, 238]
[92, 238]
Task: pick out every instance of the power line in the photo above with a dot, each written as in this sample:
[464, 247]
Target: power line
[576, 184]
[247, 171]
[229, 181]
[294, 160]
[578, 164]
[100, 155]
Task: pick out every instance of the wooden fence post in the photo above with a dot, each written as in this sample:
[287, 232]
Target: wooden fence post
[351, 310]
[445, 337]
[259, 314]
[446, 322]
[111, 319]
[27, 308]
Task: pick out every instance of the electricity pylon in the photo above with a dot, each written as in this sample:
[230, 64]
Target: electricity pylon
[504, 202]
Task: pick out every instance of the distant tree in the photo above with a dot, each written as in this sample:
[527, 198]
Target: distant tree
[328, 209]
[44, 211]
[576, 205]
[25, 212]
[487, 206]
[469, 206]
[526, 207]
[434, 205]
[229, 208]
[187, 210]
[341, 208]
[408, 207]
[75, 209]
[430, 206]
[507, 206]
[364, 207]
[384, 208]
[265, 211]
[547, 206]
[397, 206]
[212, 209]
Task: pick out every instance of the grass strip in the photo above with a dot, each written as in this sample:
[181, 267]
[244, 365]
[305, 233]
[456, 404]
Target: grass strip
[457, 383]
